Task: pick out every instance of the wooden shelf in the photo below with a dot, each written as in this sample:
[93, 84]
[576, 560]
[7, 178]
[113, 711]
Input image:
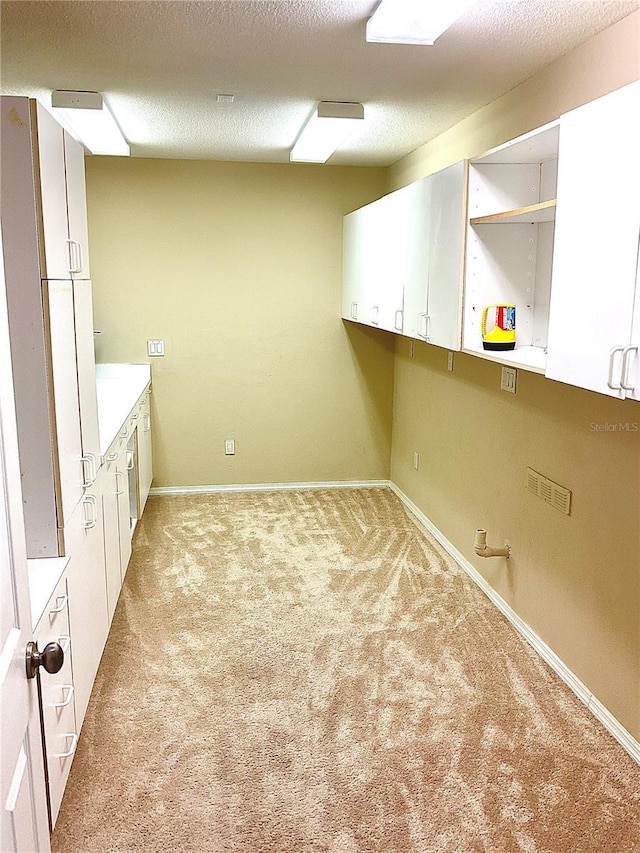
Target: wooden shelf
[528, 358]
[544, 211]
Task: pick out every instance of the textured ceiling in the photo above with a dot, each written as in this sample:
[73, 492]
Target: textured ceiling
[161, 64]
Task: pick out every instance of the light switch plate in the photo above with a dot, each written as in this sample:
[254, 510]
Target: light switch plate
[155, 347]
[509, 379]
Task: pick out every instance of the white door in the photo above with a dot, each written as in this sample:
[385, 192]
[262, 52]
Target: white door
[596, 242]
[23, 823]
[631, 379]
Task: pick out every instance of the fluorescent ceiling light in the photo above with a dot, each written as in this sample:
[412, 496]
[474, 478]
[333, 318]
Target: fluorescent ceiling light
[328, 127]
[88, 118]
[413, 21]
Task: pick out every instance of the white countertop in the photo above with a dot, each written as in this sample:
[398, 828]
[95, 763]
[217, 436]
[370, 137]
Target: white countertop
[118, 387]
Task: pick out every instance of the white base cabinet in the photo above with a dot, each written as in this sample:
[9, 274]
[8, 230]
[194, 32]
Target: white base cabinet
[87, 584]
[60, 732]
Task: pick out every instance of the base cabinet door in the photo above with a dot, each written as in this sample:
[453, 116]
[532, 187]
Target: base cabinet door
[60, 733]
[145, 462]
[108, 485]
[88, 609]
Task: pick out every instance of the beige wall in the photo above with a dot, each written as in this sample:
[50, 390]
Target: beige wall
[575, 580]
[238, 268]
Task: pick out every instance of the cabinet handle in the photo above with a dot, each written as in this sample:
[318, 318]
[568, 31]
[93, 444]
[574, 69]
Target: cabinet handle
[90, 521]
[90, 461]
[66, 700]
[64, 642]
[612, 356]
[423, 317]
[129, 460]
[375, 311]
[64, 598]
[72, 748]
[354, 310]
[146, 421]
[135, 417]
[624, 370]
[111, 457]
[124, 433]
[398, 325]
[75, 256]
[119, 491]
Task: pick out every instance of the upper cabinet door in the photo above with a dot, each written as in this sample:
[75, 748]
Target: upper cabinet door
[53, 193]
[71, 469]
[596, 243]
[86, 368]
[445, 233]
[64, 207]
[76, 207]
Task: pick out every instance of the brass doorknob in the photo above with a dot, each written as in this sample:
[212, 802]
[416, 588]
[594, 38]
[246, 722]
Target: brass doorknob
[51, 658]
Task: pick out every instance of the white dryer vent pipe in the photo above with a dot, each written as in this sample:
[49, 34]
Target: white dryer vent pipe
[483, 550]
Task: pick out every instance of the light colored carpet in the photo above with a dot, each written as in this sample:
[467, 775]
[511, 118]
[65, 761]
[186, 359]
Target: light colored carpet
[306, 672]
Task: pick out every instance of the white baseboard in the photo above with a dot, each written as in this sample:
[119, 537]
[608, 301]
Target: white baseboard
[611, 724]
[269, 487]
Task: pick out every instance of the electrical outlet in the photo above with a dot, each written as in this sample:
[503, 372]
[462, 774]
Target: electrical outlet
[416, 459]
[509, 379]
[450, 361]
[230, 447]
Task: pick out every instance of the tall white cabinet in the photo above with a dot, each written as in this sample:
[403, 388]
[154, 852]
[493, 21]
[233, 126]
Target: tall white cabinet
[594, 325]
[50, 317]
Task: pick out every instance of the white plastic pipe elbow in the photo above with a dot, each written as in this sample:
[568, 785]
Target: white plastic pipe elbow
[483, 550]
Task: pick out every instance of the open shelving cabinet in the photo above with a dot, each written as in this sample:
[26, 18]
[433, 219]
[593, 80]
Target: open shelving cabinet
[511, 208]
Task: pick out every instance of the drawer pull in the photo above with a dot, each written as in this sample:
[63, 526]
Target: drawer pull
[135, 417]
[89, 470]
[60, 607]
[111, 457]
[72, 748]
[146, 422]
[66, 700]
[130, 460]
[90, 519]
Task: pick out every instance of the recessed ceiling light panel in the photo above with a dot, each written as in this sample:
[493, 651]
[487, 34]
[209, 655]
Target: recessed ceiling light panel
[329, 126]
[413, 21]
[88, 118]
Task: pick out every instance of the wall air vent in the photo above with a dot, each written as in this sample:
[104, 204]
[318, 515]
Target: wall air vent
[550, 492]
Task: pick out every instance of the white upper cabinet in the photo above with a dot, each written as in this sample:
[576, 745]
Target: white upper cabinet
[433, 289]
[65, 252]
[594, 328]
[402, 259]
[374, 262]
[512, 200]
